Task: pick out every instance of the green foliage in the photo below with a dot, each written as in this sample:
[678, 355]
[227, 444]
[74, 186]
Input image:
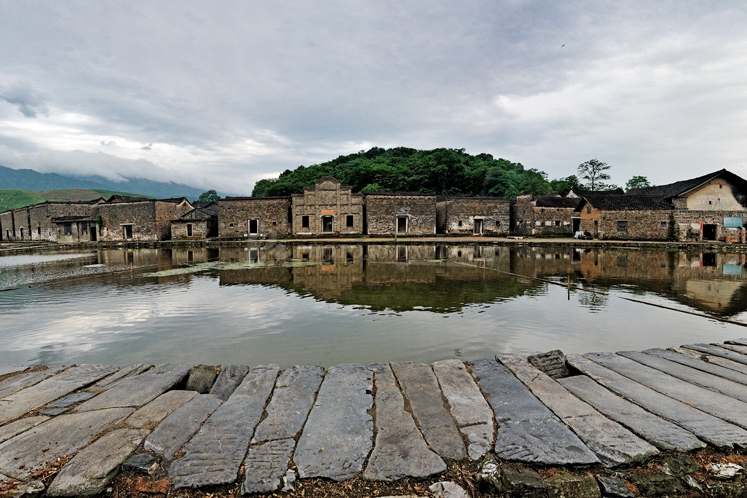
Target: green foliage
[564, 185]
[402, 169]
[209, 196]
[594, 172]
[637, 182]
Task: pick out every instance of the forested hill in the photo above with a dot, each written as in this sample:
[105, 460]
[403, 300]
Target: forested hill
[439, 171]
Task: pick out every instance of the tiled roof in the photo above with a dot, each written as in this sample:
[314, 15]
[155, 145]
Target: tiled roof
[624, 202]
[553, 201]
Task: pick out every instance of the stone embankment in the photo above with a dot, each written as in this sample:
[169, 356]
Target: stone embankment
[652, 423]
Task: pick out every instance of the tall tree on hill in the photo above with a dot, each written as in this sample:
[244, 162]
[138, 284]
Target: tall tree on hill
[594, 172]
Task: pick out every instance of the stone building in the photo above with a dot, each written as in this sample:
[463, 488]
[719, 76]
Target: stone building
[327, 208]
[253, 217]
[200, 223]
[400, 213]
[545, 215]
[7, 227]
[139, 219]
[622, 216]
[474, 215]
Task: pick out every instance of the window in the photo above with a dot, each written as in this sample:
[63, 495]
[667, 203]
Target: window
[230, 225]
[663, 224]
[588, 209]
[189, 230]
[39, 230]
[622, 226]
[349, 221]
[557, 223]
[67, 229]
[304, 221]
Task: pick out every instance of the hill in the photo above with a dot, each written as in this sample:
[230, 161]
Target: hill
[27, 179]
[438, 171]
[11, 199]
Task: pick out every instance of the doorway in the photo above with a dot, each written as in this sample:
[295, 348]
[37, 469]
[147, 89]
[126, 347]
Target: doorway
[576, 222]
[402, 224]
[709, 231]
[189, 229]
[477, 227]
[253, 227]
[127, 231]
[93, 229]
[327, 224]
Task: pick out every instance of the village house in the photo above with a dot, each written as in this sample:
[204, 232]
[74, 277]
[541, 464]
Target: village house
[253, 217]
[545, 215]
[621, 216]
[139, 219]
[474, 215]
[327, 208]
[200, 223]
[400, 213]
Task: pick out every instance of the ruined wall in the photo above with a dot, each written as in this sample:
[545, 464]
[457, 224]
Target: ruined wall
[42, 227]
[477, 215]
[6, 223]
[327, 200]
[165, 212]
[689, 221]
[200, 229]
[140, 215]
[21, 223]
[384, 210]
[271, 214]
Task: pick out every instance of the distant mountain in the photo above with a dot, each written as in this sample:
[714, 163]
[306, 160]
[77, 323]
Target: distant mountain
[27, 179]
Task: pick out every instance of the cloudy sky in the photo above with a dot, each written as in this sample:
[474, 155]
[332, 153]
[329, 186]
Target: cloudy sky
[220, 94]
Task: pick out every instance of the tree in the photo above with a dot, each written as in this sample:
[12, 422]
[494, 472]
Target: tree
[564, 185]
[637, 182]
[209, 196]
[594, 172]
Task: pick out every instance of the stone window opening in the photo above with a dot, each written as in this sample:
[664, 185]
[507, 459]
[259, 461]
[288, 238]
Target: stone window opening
[189, 231]
[305, 257]
[477, 226]
[67, 229]
[304, 222]
[622, 226]
[254, 226]
[127, 231]
[274, 223]
[557, 223]
[460, 223]
[230, 225]
[39, 230]
[349, 221]
[402, 224]
[663, 224]
[588, 209]
[327, 223]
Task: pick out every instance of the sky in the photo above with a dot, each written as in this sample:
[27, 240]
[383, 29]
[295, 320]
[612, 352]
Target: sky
[221, 94]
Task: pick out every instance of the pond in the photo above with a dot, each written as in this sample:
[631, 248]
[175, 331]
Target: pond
[329, 304]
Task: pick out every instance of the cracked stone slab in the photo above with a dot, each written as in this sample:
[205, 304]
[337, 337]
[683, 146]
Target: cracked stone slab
[23, 455]
[215, 453]
[91, 470]
[716, 404]
[158, 409]
[228, 380]
[63, 404]
[688, 374]
[732, 346]
[527, 430]
[400, 450]
[338, 432]
[181, 425]
[706, 427]
[717, 351]
[24, 380]
[420, 385]
[291, 402]
[38, 395]
[6, 369]
[266, 464]
[471, 412]
[712, 359]
[201, 378]
[119, 376]
[662, 434]
[613, 444]
[21, 425]
[138, 389]
[704, 366]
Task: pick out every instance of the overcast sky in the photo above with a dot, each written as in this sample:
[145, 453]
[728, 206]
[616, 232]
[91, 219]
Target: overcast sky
[220, 94]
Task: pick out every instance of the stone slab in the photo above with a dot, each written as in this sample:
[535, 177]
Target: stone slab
[400, 450]
[706, 427]
[229, 378]
[698, 364]
[6, 369]
[215, 454]
[158, 409]
[691, 375]
[551, 363]
[119, 376]
[613, 444]
[64, 403]
[201, 378]
[139, 389]
[741, 341]
[23, 455]
[731, 346]
[291, 402]
[266, 464]
[38, 395]
[420, 385]
[527, 430]
[717, 351]
[657, 431]
[712, 359]
[91, 470]
[716, 404]
[24, 380]
[337, 436]
[181, 425]
[23, 424]
[471, 412]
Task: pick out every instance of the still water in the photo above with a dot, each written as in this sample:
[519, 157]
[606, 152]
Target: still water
[328, 304]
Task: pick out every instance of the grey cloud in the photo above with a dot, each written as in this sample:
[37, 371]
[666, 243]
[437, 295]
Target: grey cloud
[28, 100]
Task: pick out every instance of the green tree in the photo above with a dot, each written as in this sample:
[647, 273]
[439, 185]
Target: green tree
[564, 185]
[209, 196]
[594, 172]
[637, 182]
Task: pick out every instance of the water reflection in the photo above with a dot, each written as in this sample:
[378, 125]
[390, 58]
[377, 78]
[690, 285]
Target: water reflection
[332, 303]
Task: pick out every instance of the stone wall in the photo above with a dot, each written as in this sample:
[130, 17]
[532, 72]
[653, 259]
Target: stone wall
[140, 216]
[413, 214]
[270, 215]
[476, 215]
[327, 208]
[689, 223]
[42, 227]
[167, 210]
[21, 223]
[533, 219]
[638, 225]
[6, 226]
[179, 229]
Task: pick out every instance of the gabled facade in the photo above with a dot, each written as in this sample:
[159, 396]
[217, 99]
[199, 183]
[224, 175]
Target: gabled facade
[200, 223]
[327, 208]
[621, 216]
